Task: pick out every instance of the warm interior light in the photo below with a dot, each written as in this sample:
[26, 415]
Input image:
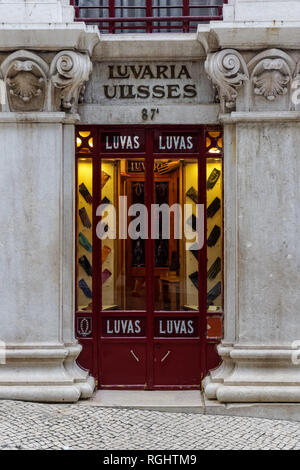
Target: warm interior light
[84, 133]
[78, 142]
[214, 134]
[214, 150]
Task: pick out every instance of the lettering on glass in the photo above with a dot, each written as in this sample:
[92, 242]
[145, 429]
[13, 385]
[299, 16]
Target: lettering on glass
[128, 141]
[175, 142]
[138, 166]
[122, 142]
[176, 327]
[163, 143]
[123, 326]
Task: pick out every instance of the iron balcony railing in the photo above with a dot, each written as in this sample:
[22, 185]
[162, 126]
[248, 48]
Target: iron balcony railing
[147, 16]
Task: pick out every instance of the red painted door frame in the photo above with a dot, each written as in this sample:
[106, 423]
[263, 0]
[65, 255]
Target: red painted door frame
[98, 353]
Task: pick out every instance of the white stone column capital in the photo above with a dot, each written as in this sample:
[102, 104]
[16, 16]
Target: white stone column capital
[265, 82]
[33, 85]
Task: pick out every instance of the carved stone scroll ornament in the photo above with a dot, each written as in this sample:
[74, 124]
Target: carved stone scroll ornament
[228, 71]
[69, 71]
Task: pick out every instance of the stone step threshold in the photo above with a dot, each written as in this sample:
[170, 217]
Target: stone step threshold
[190, 401]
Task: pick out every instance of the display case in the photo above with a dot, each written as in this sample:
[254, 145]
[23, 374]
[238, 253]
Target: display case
[149, 253]
[84, 242]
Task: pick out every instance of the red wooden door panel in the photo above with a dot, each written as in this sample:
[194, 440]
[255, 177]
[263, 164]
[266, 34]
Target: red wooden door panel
[123, 363]
[177, 363]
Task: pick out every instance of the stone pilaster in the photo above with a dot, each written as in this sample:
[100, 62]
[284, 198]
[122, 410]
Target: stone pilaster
[262, 226]
[40, 92]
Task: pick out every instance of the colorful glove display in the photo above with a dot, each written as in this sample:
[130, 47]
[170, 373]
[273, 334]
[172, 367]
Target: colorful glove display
[214, 265]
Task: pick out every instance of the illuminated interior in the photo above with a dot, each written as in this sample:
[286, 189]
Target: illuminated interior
[214, 234]
[176, 273]
[84, 233]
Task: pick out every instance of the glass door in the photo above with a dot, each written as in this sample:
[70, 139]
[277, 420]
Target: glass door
[149, 255]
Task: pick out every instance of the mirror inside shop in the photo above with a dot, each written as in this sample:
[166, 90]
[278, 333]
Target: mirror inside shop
[177, 274]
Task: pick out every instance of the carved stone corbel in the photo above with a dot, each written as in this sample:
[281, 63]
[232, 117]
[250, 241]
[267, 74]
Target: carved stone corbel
[228, 71]
[25, 77]
[69, 71]
[271, 73]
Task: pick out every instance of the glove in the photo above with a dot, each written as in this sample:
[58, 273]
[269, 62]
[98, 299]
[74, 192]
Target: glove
[84, 242]
[84, 217]
[84, 262]
[214, 269]
[87, 307]
[213, 178]
[194, 278]
[105, 275]
[213, 207]
[214, 236]
[192, 221]
[104, 178]
[194, 251]
[85, 193]
[105, 252]
[105, 200]
[85, 288]
[213, 293]
[166, 167]
[192, 193]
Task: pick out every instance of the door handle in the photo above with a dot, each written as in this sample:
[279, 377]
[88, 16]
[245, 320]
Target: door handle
[165, 356]
[134, 355]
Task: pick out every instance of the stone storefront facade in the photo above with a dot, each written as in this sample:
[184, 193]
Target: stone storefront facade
[245, 71]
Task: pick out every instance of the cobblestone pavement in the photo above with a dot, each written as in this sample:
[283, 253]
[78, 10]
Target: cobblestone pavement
[44, 426]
